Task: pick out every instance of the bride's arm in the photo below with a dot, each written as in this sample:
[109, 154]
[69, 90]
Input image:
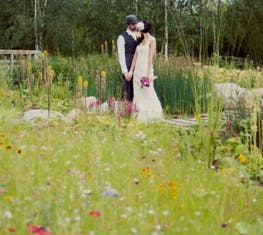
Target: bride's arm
[151, 55]
[133, 62]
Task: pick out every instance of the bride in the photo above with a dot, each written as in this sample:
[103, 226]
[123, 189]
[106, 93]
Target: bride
[145, 98]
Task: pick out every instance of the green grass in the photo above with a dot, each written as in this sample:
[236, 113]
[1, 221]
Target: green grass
[168, 180]
[62, 171]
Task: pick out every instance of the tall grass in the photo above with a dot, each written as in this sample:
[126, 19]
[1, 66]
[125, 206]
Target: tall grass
[181, 87]
[179, 90]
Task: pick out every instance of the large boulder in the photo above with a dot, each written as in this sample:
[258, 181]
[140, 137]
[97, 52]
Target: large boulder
[233, 95]
[33, 114]
[228, 92]
[246, 98]
[258, 92]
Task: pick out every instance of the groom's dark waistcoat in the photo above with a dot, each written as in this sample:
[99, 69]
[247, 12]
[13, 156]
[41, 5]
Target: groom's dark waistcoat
[130, 47]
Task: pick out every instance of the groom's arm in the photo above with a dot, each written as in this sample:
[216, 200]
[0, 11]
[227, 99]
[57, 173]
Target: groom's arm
[121, 54]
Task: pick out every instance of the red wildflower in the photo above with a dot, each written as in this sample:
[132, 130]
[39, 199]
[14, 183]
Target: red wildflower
[38, 230]
[11, 230]
[95, 213]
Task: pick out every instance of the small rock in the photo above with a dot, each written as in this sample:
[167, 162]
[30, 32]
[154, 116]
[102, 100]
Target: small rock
[136, 181]
[104, 107]
[110, 193]
[86, 102]
[73, 114]
[34, 114]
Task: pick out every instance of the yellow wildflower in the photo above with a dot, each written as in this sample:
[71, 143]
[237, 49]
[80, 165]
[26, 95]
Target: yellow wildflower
[162, 189]
[103, 74]
[147, 172]
[29, 67]
[8, 198]
[85, 84]
[89, 177]
[242, 158]
[51, 73]
[80, 80]
[228, 171]
[45, 53]
[197, 116]
[171, 184]
[1, 144]
[169, 187]
[2, 135]
[9, 147]
[40, 75]
[146, 169]
[149, 175]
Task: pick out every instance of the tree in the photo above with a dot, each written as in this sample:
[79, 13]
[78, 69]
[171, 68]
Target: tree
[197, 28]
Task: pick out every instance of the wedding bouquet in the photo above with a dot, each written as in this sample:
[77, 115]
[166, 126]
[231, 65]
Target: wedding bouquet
[145, 81]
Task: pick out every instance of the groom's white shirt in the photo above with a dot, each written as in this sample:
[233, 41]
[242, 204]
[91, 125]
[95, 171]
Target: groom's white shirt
[121, 50]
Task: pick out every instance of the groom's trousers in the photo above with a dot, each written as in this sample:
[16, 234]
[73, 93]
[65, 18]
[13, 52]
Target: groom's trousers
[128, 89]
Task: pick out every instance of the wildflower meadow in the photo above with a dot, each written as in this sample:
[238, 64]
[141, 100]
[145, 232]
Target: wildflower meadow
[106, 173]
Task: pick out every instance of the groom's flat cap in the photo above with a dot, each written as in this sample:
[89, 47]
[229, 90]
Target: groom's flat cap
[131, 19]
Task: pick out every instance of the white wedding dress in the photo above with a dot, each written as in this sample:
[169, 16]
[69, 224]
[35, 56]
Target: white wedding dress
[145, 98]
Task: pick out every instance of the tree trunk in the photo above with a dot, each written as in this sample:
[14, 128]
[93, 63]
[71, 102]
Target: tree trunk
[201, 32]
[166, 29]
[42, 10]
[136, 6]
[36, 33]
[218, 30]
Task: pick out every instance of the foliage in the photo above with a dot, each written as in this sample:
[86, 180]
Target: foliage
[183, 87]
[220, 30]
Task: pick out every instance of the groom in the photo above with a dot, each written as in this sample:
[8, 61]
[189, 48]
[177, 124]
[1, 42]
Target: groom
[126, 44]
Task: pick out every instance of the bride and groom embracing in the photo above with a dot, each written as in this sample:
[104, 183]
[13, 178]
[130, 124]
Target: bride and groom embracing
[136, 49]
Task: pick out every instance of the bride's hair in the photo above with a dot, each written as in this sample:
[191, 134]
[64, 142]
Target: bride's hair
[147, 27]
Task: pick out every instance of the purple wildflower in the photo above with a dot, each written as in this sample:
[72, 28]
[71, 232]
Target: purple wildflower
[129, 108]
[223, 134]
[229, 125]
[145, 81]
[234, 134]
[110, 101]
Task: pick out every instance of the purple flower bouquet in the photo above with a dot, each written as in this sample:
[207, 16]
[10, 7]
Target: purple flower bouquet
[145, 81]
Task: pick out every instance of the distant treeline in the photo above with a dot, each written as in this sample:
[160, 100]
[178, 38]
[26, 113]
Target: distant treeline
[197, 28]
